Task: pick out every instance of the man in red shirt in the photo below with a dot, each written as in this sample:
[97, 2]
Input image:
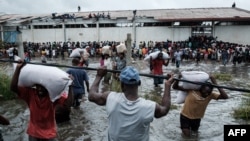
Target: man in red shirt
[42, 124]
[156, 68]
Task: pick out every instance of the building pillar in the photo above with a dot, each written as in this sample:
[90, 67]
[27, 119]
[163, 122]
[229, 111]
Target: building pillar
[1, 31]
[134, 30]
[213, 34]
[20, 45]
[64, 32]
[172, 41]
[32, 32]
[129, 50]
[98, 31]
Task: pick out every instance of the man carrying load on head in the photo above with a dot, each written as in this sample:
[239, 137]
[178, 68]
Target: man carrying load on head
[156, 68]
[196, 103]
[42, 124]
[120, 60]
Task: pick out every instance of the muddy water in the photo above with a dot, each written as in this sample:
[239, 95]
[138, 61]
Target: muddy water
[89, 123]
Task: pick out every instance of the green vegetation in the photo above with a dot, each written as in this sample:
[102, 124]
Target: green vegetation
[5, 92]
[157, 98]
[153, 97]
[243, 111]
[223, 76]
[1, 44]
[116, 86]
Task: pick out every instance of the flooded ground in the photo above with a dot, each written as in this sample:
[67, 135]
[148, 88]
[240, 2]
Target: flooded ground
[89, 123]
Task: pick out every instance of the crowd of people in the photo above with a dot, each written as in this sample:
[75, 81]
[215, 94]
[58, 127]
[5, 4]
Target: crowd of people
[196, 48]
[129, 116]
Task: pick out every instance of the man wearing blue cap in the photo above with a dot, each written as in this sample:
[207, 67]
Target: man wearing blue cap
[129, 115]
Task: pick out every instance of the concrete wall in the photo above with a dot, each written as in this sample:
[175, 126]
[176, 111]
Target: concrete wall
[234, 34]
[43, 35]
[115, 33]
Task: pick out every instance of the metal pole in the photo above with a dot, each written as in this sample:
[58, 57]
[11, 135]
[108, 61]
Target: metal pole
[141, 74]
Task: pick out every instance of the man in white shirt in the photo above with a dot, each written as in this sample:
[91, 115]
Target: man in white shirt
[177, 56]
[129, 115]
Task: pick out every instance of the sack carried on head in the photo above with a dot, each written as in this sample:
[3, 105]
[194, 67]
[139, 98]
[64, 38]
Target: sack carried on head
[106, 50]
[121, 48]
[76, 53]
[193, 76]
[55, 80]
[10, 50]
[155, 54]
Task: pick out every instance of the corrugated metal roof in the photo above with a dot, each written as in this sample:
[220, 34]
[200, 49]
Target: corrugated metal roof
[20, 21]
[187, 14]
[203, 14]
[180, 14]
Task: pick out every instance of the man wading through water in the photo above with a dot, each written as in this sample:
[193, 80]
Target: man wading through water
[129, 115]
[195, 105]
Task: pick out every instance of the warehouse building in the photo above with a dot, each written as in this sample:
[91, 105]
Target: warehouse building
[229, 24]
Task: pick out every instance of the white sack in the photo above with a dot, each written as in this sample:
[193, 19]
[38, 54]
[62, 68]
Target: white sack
[10, 50]
[106, 50]
[181, 96]
[155, 54]
[85, 54]
[121, 48]
[55, 80]
[76, 53]
[193, 76]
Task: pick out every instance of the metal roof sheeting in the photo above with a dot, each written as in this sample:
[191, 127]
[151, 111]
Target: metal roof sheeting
[187, 14]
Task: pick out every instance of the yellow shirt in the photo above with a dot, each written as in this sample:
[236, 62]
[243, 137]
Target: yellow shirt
[195, 105]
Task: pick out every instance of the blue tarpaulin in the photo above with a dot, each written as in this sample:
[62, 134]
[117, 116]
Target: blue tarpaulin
[10, 36]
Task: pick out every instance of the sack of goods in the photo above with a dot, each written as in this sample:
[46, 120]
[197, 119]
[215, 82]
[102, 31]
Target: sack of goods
[10, 50]
[193, 76]
[55, 80]
[76, 52]
[121, 48]
[155, 54]
[106, 50]
[85, 54]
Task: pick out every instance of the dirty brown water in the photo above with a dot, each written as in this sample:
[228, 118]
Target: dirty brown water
[89, 123]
